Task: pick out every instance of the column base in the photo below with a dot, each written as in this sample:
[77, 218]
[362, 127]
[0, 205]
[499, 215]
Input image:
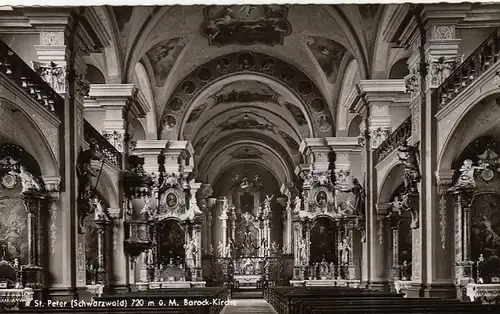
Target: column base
[67, 294]
[440, 290]
[33, 277]
[381, 285]
[118, 288]
[415, 290]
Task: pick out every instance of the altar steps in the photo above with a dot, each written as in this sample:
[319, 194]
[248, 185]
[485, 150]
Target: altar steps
[247, 294]
[253, 306]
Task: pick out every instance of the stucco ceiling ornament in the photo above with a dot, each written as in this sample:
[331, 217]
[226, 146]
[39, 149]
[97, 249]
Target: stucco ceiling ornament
[246, 61]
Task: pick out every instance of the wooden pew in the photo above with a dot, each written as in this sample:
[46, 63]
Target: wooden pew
[298, 300]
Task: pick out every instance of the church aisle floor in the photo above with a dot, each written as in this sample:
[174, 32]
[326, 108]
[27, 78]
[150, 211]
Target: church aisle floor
[254, 306]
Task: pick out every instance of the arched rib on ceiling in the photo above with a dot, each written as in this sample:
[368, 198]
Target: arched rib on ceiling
[290, 84]
[241, 147]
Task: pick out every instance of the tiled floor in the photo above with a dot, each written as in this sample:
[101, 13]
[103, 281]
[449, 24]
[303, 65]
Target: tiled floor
[254, 306]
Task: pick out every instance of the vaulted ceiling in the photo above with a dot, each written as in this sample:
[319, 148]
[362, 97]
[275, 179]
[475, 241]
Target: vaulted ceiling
[245, 84]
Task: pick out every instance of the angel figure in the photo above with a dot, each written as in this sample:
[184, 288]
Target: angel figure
[28, 181]
[297, 204]
[397, 206]
[466, 177]
[225, 205]
[146, 210]
[99, 213]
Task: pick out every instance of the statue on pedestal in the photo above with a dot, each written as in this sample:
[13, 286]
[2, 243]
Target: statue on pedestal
[99, 212]
[28, 181]
[344, 249]
[190, 248]
[466, 178]
[302, 251]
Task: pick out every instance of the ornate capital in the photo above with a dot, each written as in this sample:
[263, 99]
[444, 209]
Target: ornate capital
[439, 68]
[444, 177]
[52, 185]
[412, 83]
[53, 74]
[378, 136]
[115, 138]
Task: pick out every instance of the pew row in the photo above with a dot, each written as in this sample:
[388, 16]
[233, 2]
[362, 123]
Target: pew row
[302, 300]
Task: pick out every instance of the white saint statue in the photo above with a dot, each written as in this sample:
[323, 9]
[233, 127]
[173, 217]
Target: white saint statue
[28, 181]
[99, 211]
[146, 210]
[298, 204]
[302, 251]
[190, 253]
[344, 249]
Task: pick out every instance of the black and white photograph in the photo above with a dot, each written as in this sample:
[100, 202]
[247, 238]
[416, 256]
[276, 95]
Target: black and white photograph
[265, 158]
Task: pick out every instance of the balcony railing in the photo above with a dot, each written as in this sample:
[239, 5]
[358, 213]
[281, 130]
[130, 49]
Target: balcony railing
[111, 154]
[19, 72]
[476, 64]
[401, 134]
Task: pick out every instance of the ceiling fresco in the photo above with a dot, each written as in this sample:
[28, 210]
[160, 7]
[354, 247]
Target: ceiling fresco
[163, 57]
[246, 24]
[244, 92]
[329, 55]
[248, 62]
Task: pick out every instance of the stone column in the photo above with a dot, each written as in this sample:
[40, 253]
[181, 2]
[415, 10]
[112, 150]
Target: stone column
[297, 265]
[434, 58]
[198, 260]
[385, 239]
[382, 104]
[121, 103]
[463, 261]
[150, 150]
[117, 277]
[60, 55]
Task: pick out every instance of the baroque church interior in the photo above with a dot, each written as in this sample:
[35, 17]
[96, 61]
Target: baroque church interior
[336, 150]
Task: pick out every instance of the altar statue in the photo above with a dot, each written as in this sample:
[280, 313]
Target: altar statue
[221, 249]
[344, 249]
[99, 212]
[297, 204]
[225, 205]
[149, 260]
[397, 206]
[28, 181]
[409, 158]
[190, 254]
[466, 178]
[302, 251]
[146, 210]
